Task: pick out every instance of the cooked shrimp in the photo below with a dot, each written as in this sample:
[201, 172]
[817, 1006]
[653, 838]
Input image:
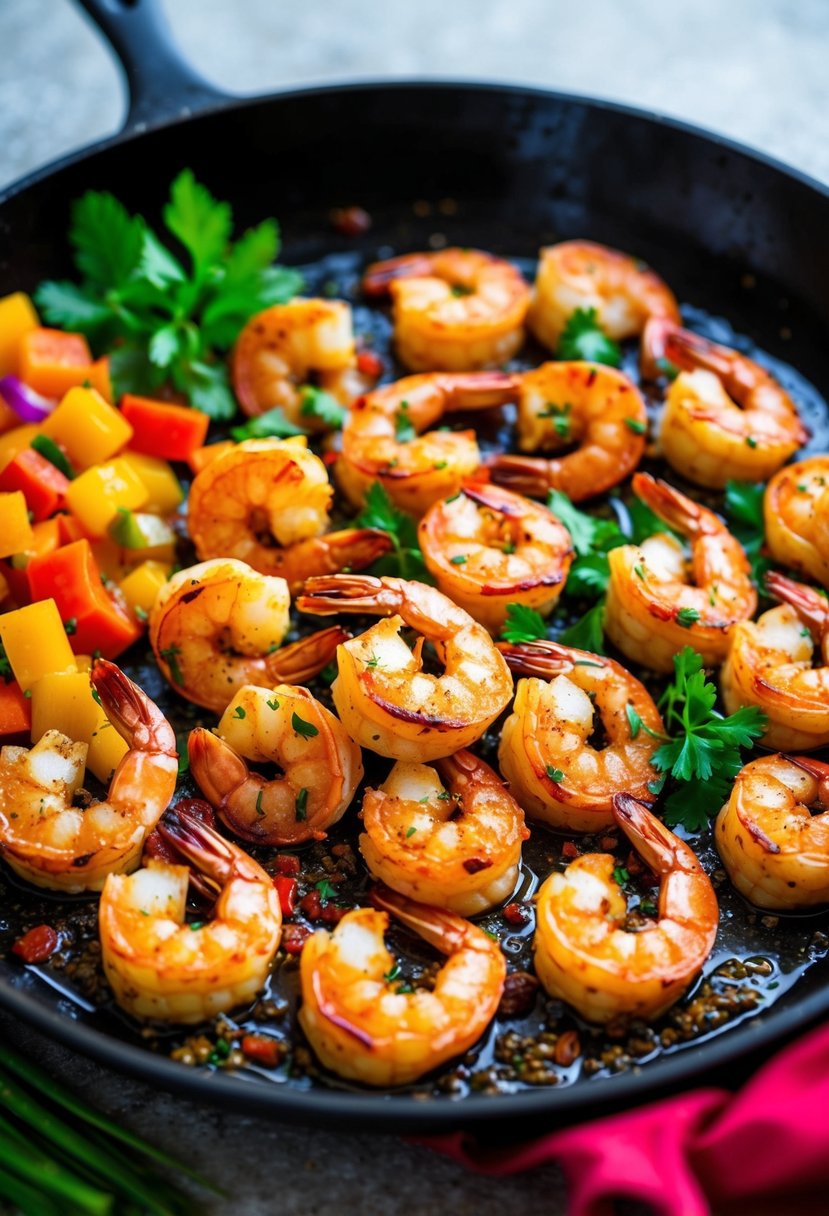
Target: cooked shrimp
[796, 510]
[545, 751]
[772, 842]
[319, 766]
[582, 274]
[219, 625]
[770, 665]
[449, 835]
[368, 1027]
[657, 602]
[583, 953]
[288, 346]
[725, 417]
[488, 548]
[593, 410]
[385, 699]
[382, 439]
[454, 310]
[51, 842]
[165, 970]
[265, 501]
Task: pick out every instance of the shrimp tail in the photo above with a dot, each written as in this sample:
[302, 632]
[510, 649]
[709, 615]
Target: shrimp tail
[817, 769]
[653, 359]
[658, 847]
[532, 476]
[216, 767]
[302, 660]
[327, 594]
[380, 275]
[209, 854]
[441, 929]
[811, 607]
[137, 719]
[351, 548]
[673, 508]
[545, 658]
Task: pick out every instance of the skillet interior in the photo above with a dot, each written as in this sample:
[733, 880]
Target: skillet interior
[524, 167]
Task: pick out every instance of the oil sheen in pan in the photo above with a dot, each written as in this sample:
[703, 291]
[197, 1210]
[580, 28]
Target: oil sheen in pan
[534, 1041]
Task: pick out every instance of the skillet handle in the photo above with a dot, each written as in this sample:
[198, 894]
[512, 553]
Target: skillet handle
[161, 84]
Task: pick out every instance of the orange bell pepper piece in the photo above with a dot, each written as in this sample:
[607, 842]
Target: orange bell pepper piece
[171, 432]
[202, 457]
[17, 317]
[15, 529]
[51, 362]
[94, 619]
[15, 712]
[43, 486]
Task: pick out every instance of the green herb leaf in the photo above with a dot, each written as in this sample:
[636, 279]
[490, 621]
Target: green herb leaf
[523, 625]
[588, 632]
[406, 559]
[107, 240]
[306, 729]
[621, 875]
[171, 654]
[301, 806]
[271, 425]
[316, 403]
[326, 891]
[686, 617]
[50, 451]
[555, 774]
[584, 338]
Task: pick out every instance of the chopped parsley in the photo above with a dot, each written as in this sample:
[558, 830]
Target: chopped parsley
[584, 338]
[306, 729]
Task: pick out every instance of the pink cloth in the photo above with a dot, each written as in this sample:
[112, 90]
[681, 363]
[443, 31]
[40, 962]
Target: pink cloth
[765, 1148]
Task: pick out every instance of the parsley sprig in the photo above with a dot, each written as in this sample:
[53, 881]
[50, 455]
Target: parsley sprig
[169, 314]
[584, 338]
[702, 756]
[523, 625]
[405, 559]
[744, 508]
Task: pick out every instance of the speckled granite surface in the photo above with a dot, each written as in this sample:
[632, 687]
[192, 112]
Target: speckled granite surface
[756, 72]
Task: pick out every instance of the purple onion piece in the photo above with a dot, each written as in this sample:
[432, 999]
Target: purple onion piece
[26, 403]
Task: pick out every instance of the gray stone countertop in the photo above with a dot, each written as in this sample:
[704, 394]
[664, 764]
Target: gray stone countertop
[755, 71]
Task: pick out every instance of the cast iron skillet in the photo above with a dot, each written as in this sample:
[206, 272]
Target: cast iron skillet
[524, 166]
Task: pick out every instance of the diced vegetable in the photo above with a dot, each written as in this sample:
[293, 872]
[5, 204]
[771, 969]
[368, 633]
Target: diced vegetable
[15, 529]
[24, 402]
[202, 457]
[15, 711]
[63, 701]
[171, 432]
[35, 642]
[89, 428]
[96, 495]
[51, 361]
[100, 379]
[8, 418]
[142, 585]
[72, 576]
[17, 317]
[149, 533]
[43, 486]
[163, 487]
[46, 537]
[15, 441]
[54, 453]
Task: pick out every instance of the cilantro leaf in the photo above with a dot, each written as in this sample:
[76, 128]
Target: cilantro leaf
[271, 425]
[73, 307]
[584, 338]
[200, 222]
[106, 238]
[405, 559]
[316, 403]
[589, 576]
[588, 632]
[208, 387]
[523, 625]
[587, 532]
[744, 509]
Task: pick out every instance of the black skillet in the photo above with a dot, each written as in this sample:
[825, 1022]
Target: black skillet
[730, 230]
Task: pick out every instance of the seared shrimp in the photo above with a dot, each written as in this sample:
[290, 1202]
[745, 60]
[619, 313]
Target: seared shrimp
[219, 625]
[488, 548]
[583, 953]
[725, 417]
[773, 833]
[382, 439]
[770, 665]
[593, 410]
[545, 753]
[319, 766]
[265, 501]
[51, 842]
[796, 509]
[454, 310]
[368, 1027]
[582, 274]
[449, 835]
[385, 699]
[657, 603]
[165, 970]
[289, 345]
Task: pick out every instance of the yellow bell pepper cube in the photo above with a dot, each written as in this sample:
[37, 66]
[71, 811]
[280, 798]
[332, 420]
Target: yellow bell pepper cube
[63, 701]
[16, 533]
[16, 440]
[142, 585]
[35, 642]
[164, 490]
[89, 428]
[95, 496]
[17, 317]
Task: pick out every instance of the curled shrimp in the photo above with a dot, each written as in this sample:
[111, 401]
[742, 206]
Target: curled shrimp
[53, 843]
[771, 665]
[657, 603]
[583, 953]
[545, 751]
[725, 417]
[773, 833]
[595, 408]
[454, 310]
[488, 548]
[796, 510]
[583, 275]
[366, 1026]
[219, 625]
[385, 699]
[319, 766]
[165, 970]
[383, 441]
[448, 835]
[285, 347]
[265, 502]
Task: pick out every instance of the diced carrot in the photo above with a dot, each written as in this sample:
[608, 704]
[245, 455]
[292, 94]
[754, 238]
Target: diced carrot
[43, 486]
[51, 361]
[171, 432]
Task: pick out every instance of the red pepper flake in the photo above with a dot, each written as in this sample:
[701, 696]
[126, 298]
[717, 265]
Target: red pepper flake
[311, 905]
[199, 809]
[332, 914]
[369, 363]
[287, 863]
[286, 890]
[263, 1049]
[608, 842]
[474, 865]
[329, 459]
[36, 945]
[569, 850]
[350, 221]
[294, 938]
[515, 914]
